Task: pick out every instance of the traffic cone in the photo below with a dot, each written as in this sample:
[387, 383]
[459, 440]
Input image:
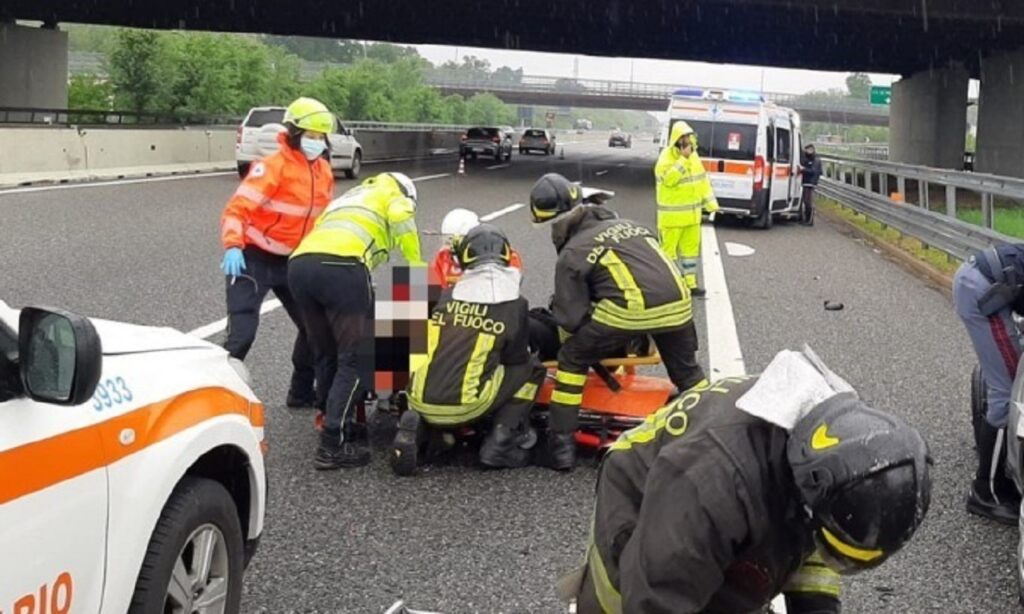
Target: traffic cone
[462, 166]
[562, 157]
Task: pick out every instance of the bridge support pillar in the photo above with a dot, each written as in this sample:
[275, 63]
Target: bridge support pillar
[33, 67]
[1000, 148]
[928, 118]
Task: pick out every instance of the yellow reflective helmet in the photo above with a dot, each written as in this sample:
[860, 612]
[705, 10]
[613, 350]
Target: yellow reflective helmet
[310, 114]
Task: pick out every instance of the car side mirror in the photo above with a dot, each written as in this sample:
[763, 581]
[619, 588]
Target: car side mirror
[59, 355]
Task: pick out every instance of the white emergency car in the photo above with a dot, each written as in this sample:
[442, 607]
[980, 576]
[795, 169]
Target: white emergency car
[750, 148]
[131, 468]
[257, 137]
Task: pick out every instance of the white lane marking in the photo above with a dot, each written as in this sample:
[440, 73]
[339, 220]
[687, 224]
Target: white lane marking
[211, 329]
[621, 164]
[599, 173]
[497, 166]
[430, 177]
[501, 212]
[101, 184]
[724, 355]
[738, 249]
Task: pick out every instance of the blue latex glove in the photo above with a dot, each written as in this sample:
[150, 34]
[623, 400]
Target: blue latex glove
[233, 263]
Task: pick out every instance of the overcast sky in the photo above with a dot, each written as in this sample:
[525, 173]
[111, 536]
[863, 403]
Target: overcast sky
[653, 71]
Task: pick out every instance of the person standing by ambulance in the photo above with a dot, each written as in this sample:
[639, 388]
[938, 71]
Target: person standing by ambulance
[266, 218]
[683, 193]
[330, 276]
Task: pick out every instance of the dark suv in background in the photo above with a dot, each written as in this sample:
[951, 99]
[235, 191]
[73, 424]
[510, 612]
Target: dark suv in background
[492, 142]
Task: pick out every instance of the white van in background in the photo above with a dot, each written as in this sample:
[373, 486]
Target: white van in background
[750, 148]
[257, 137]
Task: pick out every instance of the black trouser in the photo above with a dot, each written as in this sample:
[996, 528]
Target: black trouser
[807, 212]
[335, 298]
[519, 388]
[265, 272]
[594, 342]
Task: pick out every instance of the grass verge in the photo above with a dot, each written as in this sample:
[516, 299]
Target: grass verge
[1009, 221]
[937, 259]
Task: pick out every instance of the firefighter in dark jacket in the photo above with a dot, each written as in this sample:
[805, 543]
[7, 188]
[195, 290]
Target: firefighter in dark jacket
[748, 488]
[612, 282]
[478, 359]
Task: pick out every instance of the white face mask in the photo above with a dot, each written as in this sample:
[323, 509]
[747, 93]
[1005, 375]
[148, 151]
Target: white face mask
[313, 148]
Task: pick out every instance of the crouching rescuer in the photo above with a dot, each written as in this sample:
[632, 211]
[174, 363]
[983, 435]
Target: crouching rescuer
[612, 283]
[478, 361]
[748, 488]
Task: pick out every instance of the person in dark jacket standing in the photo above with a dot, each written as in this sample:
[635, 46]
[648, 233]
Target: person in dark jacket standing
[747, 488]
[987, 290]
[613, 282]
[811, 166]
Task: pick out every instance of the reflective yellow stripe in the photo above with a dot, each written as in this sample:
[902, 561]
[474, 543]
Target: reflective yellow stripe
[624, 280]
[403, 227]
[851, 551]
[567, 398]
[814, 577]
[673, 418]
[570, 379]
[475, 368]
[679, 208]
[669, 315]
[528, 392]
[420, 376]
[456, 415]
[607, 595]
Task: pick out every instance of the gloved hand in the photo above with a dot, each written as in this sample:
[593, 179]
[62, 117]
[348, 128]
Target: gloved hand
[234, 262]
[711, 209]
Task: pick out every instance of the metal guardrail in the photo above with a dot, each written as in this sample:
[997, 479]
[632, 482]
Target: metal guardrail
[986, 185]
[98, 117]
[866, 151]
[935, 230]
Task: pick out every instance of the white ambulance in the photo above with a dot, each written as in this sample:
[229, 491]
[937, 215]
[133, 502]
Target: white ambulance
[750, 148]
[131, 468]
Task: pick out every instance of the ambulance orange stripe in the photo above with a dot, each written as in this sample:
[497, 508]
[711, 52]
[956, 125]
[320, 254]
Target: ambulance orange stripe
[44, 463]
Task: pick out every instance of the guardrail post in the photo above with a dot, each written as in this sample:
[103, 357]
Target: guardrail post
[951, 200]
[869, 181]
[987, 214]
[883, 184]
[922, 187]
[901, 186]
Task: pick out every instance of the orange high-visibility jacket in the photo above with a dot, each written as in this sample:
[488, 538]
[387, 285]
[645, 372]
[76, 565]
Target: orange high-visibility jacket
[278, 202]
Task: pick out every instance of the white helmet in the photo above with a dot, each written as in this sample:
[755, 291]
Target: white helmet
[407, 186]
[459, 222]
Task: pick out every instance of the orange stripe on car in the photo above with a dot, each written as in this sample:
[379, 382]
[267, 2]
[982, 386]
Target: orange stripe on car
[41, 464]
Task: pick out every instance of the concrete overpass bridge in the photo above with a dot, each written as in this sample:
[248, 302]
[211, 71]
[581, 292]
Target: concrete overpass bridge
[601, 94]
[937, 46]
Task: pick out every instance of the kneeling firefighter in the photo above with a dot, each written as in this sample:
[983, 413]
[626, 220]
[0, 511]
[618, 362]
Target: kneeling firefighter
[612, 283]
[330, 276]
[747, 488]
[478, 361]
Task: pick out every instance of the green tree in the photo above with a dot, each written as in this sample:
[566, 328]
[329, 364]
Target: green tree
[487, 109]
[331, 88]
[90, 93]
[858, 85]
[458, 110]
[388, 53]
[137, 68]
[318, 49]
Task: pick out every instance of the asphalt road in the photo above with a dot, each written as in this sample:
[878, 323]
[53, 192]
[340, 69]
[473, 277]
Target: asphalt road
[456, 539]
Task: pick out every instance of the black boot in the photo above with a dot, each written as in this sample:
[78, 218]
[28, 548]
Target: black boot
[561, 451]
[334, 453]
[991, 497]
[503, 448]
[405, 450]
[298, 400]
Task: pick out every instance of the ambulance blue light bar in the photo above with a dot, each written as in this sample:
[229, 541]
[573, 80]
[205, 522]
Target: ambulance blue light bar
[745, 97]
[689, 93]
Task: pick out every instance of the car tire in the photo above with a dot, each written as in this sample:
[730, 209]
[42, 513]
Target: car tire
[357, 164]
[199, 508]
[243, 169]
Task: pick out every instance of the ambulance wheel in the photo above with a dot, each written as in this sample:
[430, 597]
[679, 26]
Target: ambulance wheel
[243, 169]
[195, 558]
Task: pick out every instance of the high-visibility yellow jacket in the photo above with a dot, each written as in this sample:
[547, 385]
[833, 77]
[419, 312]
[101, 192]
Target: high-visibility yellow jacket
[683, 187]
[367, 222]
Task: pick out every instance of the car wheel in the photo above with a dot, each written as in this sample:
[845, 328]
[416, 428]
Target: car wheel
[195, 558]
[979, 396]
[243, 169]
[357, 163]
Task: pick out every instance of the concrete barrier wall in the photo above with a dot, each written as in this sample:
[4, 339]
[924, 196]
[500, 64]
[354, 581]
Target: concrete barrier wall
[29, 150]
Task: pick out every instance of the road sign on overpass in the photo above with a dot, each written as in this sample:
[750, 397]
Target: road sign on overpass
[881, 94]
